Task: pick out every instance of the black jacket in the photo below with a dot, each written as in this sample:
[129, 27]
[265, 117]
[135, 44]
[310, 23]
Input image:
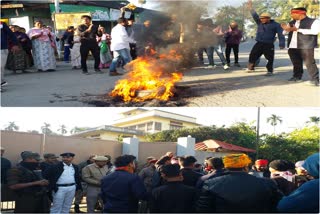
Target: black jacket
[54, 172]
[190, 177]
[238, 192]
[173, 197]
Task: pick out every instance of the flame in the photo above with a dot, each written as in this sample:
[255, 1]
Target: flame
[149, 75]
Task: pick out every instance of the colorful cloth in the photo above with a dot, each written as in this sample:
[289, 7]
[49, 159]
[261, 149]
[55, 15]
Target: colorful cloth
[236, 161]
[261, 162]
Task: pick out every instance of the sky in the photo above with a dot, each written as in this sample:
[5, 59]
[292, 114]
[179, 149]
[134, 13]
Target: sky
[34, 118]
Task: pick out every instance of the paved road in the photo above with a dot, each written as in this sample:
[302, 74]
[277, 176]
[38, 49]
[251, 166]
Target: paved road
[215, 87]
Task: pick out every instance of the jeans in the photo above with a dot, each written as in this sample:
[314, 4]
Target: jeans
[117, 54]
[66, 54]
[209, 51]
[218, 50]
[4, 56]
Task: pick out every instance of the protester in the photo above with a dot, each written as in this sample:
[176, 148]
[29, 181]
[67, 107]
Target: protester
[190, 177]
[88, 33]
[302, 39]
[18, 60]
[49, 160]
[105, 55]
[306, 198]
[64, 181]
[282, 175]
[116, 198]
[75, 51]
[218, 47]
[216, 169]
[146, 174]
[67, 39]
[260, 169]
[130, 28]
[301, 175]
[28, 186]
[92, 175]
[265, 37]
[6, 37]
[174, 196]
[5, 166]
[120, 46]
[43, 52]
[83, 191]
[157, 179]
[237, 191]
[233, 39]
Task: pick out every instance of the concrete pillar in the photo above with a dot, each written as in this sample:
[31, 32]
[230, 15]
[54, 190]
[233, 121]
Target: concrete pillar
[130, 146]
[185, 146]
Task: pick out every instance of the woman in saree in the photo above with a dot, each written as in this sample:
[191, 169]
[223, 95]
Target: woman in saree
[42, 47]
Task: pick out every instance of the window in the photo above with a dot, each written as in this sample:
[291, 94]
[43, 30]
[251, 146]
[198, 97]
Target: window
[175, 125]
[157, 126]
[96, 136]
[142, 127]
[149, 126]
[132, 127]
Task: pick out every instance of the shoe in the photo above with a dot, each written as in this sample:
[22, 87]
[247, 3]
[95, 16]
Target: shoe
[295, 79]
[269, 74]
[74, 67]
[85, 72]
[312, 83]
[226, 67]
[77, 208]
[4, 83]
[237, 64]
[211, 67]
[114, 73]
[249, 70]
[97, 70]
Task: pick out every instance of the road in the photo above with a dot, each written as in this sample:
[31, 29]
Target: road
[214, 87]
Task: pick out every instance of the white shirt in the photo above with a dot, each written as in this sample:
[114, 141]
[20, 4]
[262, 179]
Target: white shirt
[67, 177]
[119, 38]
[315, 29]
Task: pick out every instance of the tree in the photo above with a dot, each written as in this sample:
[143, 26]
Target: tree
[62, 129]
[33, 131]
[273, 120]
[46, 128]
[314, 119]
[77, 129]
[12, 127]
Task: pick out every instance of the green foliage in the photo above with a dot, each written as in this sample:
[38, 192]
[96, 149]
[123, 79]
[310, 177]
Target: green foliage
[295, 146]
[238, 134]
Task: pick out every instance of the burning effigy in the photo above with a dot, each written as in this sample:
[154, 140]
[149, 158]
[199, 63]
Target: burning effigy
[149, 78]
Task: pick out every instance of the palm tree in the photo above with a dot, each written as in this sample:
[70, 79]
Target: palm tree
[314, 119]
[46, 128]
[12, 127]
[77, 130]
[273, 120]
[63, 129]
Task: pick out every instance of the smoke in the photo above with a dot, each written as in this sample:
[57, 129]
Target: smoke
[176, 29]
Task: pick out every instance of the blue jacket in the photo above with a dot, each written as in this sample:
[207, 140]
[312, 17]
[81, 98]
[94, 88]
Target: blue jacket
[121, 192]
[306, 198]
[6, 35]
[266, 33]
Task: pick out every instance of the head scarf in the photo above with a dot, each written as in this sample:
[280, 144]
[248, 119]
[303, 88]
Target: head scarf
[261, 162]
[236, 161]
[311, 164]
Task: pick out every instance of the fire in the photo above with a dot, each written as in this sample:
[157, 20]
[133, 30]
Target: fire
[149, 78]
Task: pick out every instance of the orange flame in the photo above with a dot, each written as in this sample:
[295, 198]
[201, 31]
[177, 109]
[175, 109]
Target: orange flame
[150, 76]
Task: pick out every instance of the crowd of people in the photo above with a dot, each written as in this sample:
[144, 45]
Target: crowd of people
[169, 184]
[127, 40]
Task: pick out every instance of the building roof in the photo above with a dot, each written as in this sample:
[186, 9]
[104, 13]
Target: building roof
[102, 129]
[213, 145]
